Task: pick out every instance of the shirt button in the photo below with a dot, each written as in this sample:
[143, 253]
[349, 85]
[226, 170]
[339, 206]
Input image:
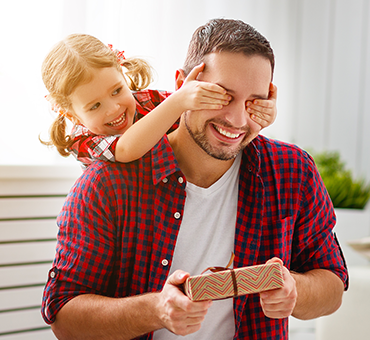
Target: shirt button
[164, 262]
[181, 180]
[165, 180]
[177, 215]
[52, 275]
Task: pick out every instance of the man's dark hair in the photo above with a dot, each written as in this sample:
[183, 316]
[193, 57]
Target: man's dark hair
[226, 35]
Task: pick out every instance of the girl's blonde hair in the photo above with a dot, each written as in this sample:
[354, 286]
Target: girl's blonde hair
[71, 63]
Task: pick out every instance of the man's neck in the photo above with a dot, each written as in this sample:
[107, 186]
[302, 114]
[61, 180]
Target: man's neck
[198, 167]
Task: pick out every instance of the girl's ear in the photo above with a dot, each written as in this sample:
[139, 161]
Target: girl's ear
[180, 77]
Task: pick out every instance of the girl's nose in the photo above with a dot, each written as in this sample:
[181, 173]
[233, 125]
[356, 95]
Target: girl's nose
[112, 108]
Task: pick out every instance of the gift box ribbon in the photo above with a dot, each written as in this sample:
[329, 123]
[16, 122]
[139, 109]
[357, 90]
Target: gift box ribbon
[219, 269]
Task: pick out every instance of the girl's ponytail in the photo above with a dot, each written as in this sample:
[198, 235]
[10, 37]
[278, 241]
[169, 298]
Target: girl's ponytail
[58, 136]
[139, 73]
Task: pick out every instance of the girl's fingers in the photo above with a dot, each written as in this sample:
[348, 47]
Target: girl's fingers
[206, 106]
[216, 99]
[207, 96]
[273, 92]
[260, 103]
[260, 121]
[195, 72]
[213, 88]
[259, 110]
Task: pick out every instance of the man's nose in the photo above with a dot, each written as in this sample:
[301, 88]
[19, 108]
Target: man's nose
[236, 114]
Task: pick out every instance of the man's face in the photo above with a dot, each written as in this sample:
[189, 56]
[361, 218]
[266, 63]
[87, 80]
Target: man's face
[223, 133]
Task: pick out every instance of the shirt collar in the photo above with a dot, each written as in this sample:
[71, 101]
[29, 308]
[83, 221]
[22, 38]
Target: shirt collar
[252, 155]
[164, 162]
[80, 130]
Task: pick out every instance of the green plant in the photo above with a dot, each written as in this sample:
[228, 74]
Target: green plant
[344, 190]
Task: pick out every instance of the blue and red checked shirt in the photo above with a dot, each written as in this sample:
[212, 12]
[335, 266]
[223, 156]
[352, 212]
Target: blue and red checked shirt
[120, 221]
[89, 147]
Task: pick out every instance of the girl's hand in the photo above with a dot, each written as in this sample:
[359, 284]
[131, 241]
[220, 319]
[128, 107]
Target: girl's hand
[200, 95]
[263, 111]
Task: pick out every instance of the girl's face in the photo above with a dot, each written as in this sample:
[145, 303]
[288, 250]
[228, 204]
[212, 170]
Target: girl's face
[105, 105]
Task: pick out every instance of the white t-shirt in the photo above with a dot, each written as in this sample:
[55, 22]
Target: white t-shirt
[206, 239]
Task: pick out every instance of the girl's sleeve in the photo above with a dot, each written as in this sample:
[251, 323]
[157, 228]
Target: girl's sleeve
[89, 148]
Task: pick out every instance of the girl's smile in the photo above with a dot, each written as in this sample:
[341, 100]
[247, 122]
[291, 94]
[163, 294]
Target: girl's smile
[118, 122]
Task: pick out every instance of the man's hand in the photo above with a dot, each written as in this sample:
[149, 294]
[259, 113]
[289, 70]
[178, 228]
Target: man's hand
[177, 312]
[280, 303]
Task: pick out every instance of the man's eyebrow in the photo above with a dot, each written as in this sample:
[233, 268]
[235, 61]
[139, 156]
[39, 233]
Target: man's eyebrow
[224, 87]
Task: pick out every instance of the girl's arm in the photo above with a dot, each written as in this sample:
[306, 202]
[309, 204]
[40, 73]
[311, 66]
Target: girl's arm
[144, 134]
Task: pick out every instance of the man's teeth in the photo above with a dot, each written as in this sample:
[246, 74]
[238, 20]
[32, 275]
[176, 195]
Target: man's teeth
[118, 121]
[226, 133]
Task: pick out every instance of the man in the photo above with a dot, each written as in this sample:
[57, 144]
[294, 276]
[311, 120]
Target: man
[130, 234]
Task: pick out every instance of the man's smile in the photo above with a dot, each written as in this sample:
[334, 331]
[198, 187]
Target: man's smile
[226, 133]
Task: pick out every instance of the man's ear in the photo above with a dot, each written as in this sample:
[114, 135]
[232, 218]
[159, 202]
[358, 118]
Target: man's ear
[180, 77]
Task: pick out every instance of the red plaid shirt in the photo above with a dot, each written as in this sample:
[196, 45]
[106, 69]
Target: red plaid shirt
[89, 147]
[120, 221]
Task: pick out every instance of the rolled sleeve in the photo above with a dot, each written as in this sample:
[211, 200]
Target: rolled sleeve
[316, 244]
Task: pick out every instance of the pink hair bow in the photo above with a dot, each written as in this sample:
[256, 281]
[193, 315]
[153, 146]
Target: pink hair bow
[119, 54]
[54, 106]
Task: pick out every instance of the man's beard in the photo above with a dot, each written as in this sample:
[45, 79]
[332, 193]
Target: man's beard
[221, 153]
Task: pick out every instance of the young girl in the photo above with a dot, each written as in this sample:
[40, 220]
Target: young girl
[87, 85]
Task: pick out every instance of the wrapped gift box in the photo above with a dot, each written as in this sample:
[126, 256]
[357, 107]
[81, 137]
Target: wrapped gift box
[234, 282]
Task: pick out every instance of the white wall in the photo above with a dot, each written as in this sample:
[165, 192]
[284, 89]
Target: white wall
[322, 50]
[332, 79]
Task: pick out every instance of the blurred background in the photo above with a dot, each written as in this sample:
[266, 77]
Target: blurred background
[322, 72]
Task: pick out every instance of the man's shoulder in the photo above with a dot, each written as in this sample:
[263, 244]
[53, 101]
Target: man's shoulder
[107, 173]
[276, 148]
[283, 155]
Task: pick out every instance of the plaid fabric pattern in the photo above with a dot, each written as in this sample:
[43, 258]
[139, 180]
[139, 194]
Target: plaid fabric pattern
[121, 220]
[89, 147]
